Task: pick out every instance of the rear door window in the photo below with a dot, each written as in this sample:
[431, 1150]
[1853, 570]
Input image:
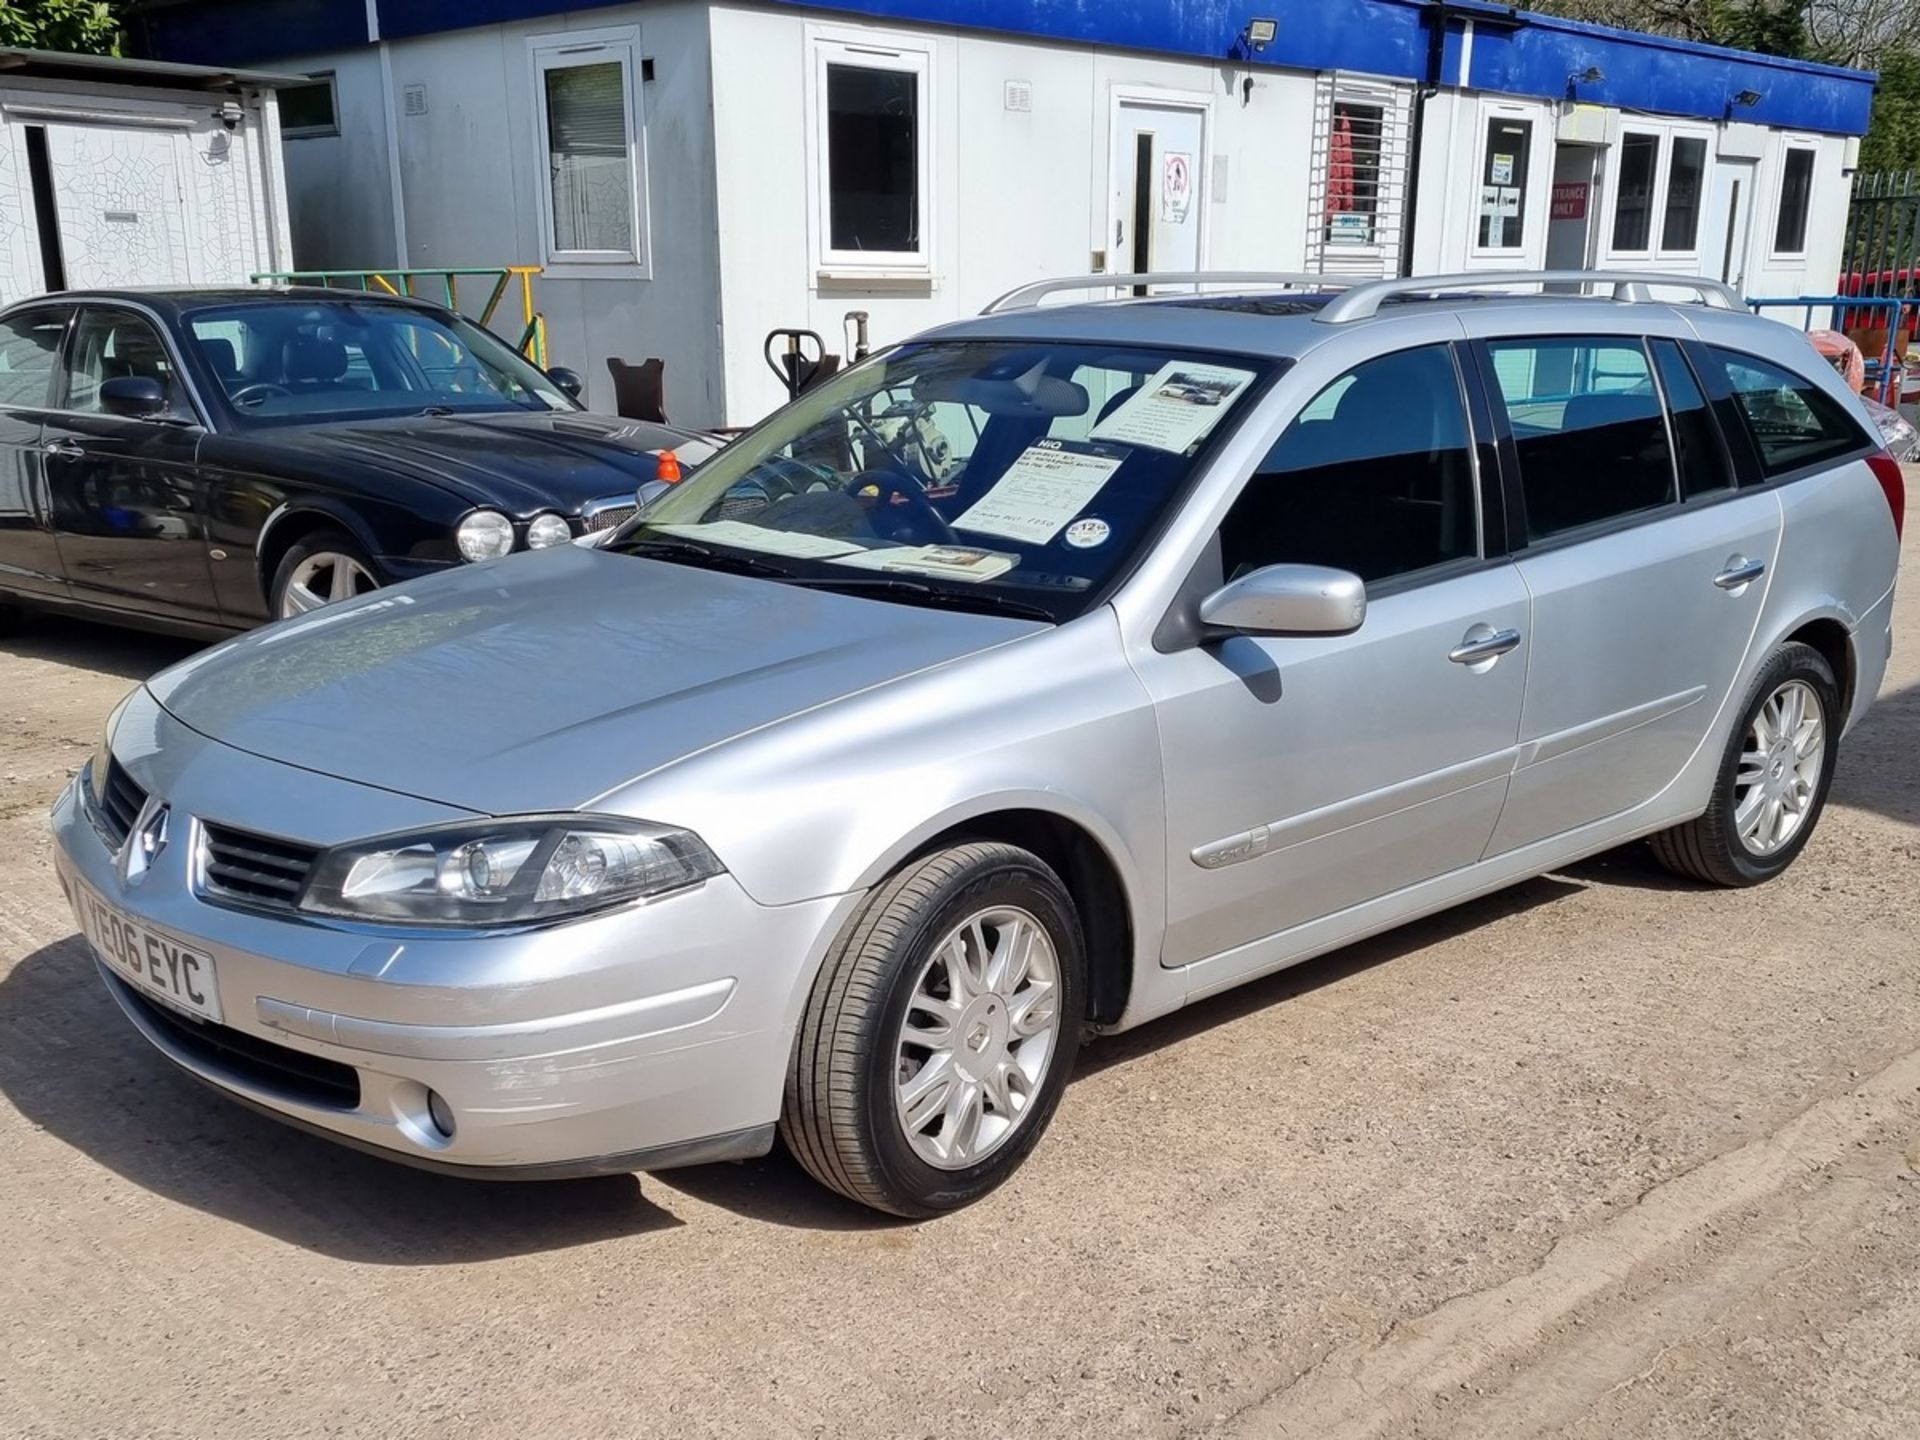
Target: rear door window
[1375, 476]
[1794, 423]
[1588, 430]
[1704, 467]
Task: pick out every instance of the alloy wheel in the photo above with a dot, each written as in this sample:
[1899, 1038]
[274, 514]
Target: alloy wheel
[323, 579]
[977, 1037]
[1779, 770]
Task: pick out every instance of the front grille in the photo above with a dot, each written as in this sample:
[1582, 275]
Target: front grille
[120, 804]
[594, 521]
[249, 1059]
[255, 869]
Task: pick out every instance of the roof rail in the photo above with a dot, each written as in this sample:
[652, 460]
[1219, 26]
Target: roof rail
[1028, 296]
[1364, 301]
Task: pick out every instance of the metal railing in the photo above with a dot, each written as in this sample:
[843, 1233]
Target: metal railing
[533, 338]
[1880, 369]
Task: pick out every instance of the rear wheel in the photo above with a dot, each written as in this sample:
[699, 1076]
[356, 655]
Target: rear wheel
[1773, 779]
[940, 1032]
[322, 568]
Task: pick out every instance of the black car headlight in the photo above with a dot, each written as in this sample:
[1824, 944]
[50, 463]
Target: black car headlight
[507, 872]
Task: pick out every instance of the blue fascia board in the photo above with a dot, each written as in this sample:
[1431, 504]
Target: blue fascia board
[1515, 52]
[245, 32]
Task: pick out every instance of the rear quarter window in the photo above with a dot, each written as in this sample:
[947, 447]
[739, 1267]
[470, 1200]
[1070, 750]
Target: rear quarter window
[1792, 421]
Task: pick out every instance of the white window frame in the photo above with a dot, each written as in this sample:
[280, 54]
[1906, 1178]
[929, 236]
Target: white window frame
[1532, 221]
[565, 51]
[316, 132]
[870, 50]
[1788, 145]
[1665, 137]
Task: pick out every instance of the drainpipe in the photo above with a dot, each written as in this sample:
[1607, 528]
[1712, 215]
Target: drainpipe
[1438, 14]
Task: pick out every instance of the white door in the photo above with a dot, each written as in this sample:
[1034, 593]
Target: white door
[1730, 222]
[1157, 202]
[117, 189]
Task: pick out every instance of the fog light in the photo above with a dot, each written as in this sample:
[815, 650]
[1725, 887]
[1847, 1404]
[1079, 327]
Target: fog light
[441, 1112]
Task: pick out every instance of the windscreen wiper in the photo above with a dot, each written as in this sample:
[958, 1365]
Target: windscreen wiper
[916, 593]
[685, 550]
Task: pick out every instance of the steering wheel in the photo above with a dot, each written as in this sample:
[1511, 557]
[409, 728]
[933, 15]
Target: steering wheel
[893, 482]
[256, 392]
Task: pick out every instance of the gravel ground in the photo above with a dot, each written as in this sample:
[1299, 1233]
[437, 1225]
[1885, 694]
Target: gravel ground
[1603, 1155]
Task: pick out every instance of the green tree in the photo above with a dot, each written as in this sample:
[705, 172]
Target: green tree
[1894, 141]
[88, 26]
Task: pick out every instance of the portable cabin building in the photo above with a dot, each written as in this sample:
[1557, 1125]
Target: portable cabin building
[694, 174]
[126, 172]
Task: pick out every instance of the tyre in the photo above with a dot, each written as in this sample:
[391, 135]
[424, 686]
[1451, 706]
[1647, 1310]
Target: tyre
[1773, 780]
[321, 568]
[940, 1032]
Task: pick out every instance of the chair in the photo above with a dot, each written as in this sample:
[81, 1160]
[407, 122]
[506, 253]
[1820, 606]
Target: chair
[639, 391]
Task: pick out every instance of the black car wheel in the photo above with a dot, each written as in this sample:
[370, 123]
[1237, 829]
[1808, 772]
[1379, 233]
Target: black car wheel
[939, 1033]
[321, 568]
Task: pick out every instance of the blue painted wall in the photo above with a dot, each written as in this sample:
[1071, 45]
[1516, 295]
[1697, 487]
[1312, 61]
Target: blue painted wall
[1381, 37]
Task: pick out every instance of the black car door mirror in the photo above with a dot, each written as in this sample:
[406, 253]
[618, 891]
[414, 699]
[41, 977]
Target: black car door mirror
[567, 380]
[134, 397]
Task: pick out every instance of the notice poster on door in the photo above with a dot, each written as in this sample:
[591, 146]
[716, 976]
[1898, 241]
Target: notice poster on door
[1051, 482]
[1569, 200]
[1500, 209]
[1176, 187]
[1177, 407]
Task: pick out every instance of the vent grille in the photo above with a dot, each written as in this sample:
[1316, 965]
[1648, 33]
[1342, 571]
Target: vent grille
[255, 869]
[597, 520]
[251, 1060]
[121, 802]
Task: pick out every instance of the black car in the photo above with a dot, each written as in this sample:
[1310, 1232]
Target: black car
[203, 460]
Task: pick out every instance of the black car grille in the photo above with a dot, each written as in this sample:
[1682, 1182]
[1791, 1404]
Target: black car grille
[607, 519]
[120, 804]
[255, 869]
[251, 1060]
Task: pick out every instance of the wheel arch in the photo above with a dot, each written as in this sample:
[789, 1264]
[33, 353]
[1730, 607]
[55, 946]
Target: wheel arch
[1086, 857]
[1835, 642]
[284, 528]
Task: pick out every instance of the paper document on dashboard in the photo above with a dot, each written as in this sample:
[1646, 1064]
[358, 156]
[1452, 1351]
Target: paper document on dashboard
[1178, 406]
[955, 562]
[757, 537]
[1050, 483]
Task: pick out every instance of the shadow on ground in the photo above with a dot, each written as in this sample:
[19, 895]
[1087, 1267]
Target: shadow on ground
[100, 649]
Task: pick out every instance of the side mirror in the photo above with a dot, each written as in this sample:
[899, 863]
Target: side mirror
[134, 397]
[567, 380]
[651, 491]
[1289, 600]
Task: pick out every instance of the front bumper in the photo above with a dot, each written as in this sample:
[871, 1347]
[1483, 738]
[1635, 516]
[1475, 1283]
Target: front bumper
[637, 1039]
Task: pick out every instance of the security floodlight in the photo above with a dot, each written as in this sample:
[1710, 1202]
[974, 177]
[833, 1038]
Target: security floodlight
[1260, 33]
[1747, 99]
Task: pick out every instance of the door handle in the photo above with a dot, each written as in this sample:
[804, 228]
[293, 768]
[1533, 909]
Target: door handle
[65, 449]
[1483, 644]
[1740, 571]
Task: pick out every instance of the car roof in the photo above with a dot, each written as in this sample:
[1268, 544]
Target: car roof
[178, 300]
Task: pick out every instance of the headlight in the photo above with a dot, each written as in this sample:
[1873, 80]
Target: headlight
[548, 529]
[484, 535]
[103, 756]
[507, 873]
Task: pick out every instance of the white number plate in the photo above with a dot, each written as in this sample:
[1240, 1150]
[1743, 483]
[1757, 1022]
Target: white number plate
[172, 973]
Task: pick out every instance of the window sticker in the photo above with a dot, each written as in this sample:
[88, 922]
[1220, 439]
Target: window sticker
[953, 562]
[757, 537]
[1177, 407]
[1088, 533]
[1051, 482]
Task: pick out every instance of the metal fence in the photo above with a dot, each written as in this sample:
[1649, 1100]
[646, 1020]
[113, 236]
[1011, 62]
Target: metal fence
[1881, 257]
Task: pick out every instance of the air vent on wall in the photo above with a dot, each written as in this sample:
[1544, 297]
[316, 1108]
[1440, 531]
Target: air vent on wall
[416, 99]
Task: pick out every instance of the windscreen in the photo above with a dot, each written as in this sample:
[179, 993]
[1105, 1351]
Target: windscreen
[282, 362]
[994, 475]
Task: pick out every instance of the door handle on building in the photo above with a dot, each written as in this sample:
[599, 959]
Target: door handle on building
[1482, 643]
[1740, 572]
[65, 450]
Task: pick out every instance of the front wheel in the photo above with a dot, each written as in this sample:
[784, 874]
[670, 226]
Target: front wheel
[321, 569]
[1773, 779]
[940, 1032]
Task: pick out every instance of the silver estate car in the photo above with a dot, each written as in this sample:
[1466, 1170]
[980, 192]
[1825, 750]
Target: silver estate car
[1028, 681]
